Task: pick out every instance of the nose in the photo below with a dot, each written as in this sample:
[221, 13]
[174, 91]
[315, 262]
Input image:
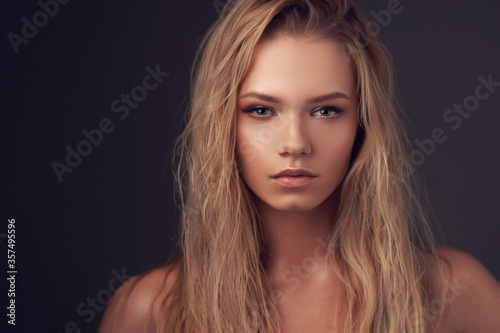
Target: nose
[294, 138]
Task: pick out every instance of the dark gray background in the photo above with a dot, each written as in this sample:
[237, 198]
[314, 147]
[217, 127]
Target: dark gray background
[115, 210]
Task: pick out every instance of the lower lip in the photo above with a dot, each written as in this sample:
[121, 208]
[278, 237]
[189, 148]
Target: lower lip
[294, 181]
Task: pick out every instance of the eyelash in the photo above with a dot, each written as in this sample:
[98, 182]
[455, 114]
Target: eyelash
[251, 109]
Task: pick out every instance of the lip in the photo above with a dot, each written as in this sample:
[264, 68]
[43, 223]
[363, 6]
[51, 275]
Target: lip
[294, 173]
[293, 178]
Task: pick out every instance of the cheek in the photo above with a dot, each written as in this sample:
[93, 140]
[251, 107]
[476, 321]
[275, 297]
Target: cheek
[246, 151]
[259, 137]
[254, 143]
[335, 145]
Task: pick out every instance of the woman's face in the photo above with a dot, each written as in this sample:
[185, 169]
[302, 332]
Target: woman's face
[297, 109]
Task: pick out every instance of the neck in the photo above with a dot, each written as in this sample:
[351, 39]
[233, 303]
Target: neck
[296, 241]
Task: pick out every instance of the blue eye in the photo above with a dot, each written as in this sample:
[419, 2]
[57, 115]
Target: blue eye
[331, 111]
[255, 111]
[325, 111]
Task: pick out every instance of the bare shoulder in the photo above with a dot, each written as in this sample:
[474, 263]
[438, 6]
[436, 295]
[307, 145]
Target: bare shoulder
[135, 305]
[469, 294]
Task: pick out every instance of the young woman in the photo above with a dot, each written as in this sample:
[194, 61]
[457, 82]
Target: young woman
[298, 215]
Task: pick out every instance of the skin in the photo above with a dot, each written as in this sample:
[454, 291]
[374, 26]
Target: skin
[295, 133]
[307, 292]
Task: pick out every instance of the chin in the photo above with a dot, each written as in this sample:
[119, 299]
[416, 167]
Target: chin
[295, 205]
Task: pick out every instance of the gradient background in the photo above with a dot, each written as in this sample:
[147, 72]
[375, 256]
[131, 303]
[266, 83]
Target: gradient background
[115, 211]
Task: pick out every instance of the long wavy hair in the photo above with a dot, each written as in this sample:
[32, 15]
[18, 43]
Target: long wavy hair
[383, 246]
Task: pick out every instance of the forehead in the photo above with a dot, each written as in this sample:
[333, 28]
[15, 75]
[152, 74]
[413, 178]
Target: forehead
[299, 67]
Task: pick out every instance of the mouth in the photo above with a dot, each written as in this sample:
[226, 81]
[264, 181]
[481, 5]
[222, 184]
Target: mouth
[294, 173]
[293, 178]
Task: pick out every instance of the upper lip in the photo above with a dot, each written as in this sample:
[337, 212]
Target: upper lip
[293, 172]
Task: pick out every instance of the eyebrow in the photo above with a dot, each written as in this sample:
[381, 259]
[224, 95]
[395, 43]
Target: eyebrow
[318, 99]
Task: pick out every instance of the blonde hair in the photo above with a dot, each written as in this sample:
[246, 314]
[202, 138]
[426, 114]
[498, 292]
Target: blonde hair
[384, 246]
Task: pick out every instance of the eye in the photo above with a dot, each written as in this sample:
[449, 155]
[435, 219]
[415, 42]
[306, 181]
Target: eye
[328, 111]
[257, 111]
